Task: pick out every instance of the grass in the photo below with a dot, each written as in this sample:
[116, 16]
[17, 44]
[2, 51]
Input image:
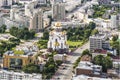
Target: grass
[74, 43]
[42, 44]
[18, 52]
[36, 35]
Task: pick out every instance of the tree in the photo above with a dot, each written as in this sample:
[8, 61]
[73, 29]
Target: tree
[105, 62]
[95, 31]
[51, 68]
[116, 45]
[108, 62]
[45, 35]
[87, 33]
[23, 33]
[3, 28]
[15, 40]
[86, 52]
[115, 37]
[31, 68]
[92, 25]
[59, 62]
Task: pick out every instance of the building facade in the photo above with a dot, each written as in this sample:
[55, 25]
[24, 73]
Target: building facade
[29, 17]
[88, 68]
[6, 2]
[36, 21]
[113, 21]
[10, 75]
[58, 38]
[58, 11]
[98, 42]
[17, 61]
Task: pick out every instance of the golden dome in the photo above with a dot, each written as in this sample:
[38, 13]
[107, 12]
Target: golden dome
[64, 32]
[58, 24]
[56, 44]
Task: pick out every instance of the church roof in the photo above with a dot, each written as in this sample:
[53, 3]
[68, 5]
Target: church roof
[58, 24]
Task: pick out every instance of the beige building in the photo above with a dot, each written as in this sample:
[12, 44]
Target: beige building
[17, 61]
[58, 11]
[36, 21]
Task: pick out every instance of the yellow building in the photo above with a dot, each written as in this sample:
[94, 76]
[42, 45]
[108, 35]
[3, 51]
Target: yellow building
[15, 61]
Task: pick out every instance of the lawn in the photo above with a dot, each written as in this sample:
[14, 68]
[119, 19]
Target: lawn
[73, 44]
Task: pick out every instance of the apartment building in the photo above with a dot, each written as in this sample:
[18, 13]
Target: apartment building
[10, 75]
[6, 3]
[36, 21]
[99, 42]
[58, 11]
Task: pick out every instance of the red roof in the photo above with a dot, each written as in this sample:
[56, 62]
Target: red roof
[100, 51]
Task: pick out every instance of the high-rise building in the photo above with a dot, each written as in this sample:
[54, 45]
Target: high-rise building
[98, 42]
[6, 2]
[13, 10]
[114, 21]
[58, 11]
[36, 21]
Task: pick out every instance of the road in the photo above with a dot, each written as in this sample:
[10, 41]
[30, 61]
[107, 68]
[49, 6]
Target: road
[66, 74]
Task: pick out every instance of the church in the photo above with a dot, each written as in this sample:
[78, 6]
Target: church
[58, 39]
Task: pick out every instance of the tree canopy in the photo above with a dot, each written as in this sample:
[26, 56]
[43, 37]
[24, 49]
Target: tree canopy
[3, 28]
[23, 33]
[86, 52]
[80, 33]
[115, 44]
[105, 62]
[31, 68]
[8, 45]
[45, 35]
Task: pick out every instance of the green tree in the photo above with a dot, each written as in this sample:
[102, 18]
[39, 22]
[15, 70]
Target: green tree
[23, 33]
[95, 31]
[51, 68]
[108, 62]
[86, 52]
[31, 68]
[105, 62]
[15, 40]
[92, 25]
[3, 28]
[87, 33]
[59, 62]
[116, 45]
[115, 38]
[45, 35]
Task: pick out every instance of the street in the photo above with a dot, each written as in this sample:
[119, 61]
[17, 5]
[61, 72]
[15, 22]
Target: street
[66, 74]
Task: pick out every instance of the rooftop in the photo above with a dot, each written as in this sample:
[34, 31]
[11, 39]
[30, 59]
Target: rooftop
[5, 36]
[86, 65]
[99, 36]
[25, 49]
[84, 77]
[11, 73]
